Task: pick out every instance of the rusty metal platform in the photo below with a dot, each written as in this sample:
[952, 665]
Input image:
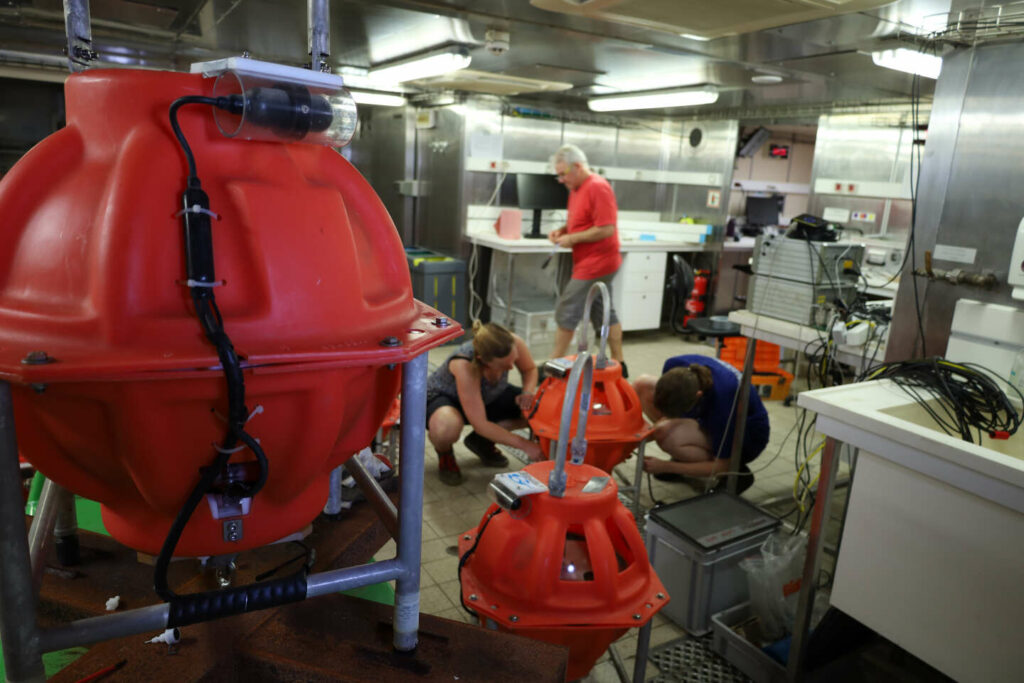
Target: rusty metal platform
[331, 638]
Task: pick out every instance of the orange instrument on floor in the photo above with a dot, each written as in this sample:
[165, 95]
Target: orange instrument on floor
[561, 562]
[616, 422]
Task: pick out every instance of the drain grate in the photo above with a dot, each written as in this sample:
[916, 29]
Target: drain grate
[691, 660]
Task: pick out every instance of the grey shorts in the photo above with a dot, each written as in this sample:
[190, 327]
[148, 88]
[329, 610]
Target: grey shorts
[569, 310]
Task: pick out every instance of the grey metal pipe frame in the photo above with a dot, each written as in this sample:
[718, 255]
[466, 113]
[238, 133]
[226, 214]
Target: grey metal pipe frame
[410, 513]
[65, 530]
[370, 487]
[740, 425]
[106, 627]
[643, 643]
[596, 289]
[333, 504]
[79, 31]
[17, 608]
[812, 563]
[40, 533]
[19, 633]
[582, 368]
[319, 12]
[154, 617]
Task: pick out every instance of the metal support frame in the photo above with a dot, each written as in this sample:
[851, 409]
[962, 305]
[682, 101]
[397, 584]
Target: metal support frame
[319, 21]
[79, 32]
[371, 488]
[812, 563]
[410, 514]
[24, 642]
[740, 424]
[40, 533]
[19, 631]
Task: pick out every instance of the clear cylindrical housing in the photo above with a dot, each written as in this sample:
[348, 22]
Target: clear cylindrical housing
[267, 109]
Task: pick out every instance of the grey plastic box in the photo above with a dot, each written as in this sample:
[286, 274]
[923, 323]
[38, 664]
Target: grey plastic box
[740, 652]
[439, 281]
[696, 546]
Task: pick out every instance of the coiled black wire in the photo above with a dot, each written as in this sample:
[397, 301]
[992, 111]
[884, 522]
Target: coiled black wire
[960, 397]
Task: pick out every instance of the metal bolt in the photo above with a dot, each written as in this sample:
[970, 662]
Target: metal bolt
[661, 596]
[648, 605]
[442, 322]
[466, 537]
[233, 530]
[494, 607]
[38, 387]
[473, 597]
[637, 617]
[37, 358]
[513, 618]
[390, 341]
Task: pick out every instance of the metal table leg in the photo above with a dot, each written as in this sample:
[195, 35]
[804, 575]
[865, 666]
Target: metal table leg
[410, 511]
[19, 631]
[812, 563]
[740, 424]
[40, 533]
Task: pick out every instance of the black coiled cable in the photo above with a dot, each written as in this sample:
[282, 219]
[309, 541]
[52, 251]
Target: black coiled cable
[960, 397]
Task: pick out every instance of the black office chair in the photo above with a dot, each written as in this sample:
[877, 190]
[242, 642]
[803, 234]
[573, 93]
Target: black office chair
[680, 284]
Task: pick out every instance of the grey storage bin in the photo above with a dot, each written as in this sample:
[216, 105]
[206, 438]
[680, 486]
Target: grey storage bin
[439, 281]
[740, 652]
[696, 546]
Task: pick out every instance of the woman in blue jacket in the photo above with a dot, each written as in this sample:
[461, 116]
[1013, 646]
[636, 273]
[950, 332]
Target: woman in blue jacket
[692, 406]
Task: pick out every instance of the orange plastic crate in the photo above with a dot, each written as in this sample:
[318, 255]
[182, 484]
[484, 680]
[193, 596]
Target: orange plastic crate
[767, 371]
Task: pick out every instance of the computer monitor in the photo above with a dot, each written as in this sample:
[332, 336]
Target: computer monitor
[763, 211]
[539, 192]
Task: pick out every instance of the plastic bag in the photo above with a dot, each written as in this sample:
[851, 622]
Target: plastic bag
[773, 578]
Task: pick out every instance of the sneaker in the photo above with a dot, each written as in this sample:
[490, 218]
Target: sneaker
[449, 469]
[485, 449]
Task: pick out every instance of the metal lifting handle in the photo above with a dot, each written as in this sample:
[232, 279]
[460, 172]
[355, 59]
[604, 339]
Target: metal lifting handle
[606, 301]
[584, 366]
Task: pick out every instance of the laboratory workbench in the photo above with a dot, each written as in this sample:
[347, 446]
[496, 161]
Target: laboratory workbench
[543, 246]
[640, 281]
[790, 335]
[930, 554]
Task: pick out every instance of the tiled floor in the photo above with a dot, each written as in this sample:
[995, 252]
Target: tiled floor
[449, 511]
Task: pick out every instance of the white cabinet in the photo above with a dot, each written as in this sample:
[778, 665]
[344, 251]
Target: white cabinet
[638, 288]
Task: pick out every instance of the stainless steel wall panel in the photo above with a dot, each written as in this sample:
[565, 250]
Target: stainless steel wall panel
[384, 151]
[531, 139]
[970, 187]
[642, 148]
[597, 142]
[634, 196]
[440, 214]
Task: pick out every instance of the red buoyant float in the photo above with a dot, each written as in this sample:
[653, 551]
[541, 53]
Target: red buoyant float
[117, 394]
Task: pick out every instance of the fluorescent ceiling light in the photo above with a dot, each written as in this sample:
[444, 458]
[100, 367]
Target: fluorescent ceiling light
[694, 36]
[766, 79]
[379, 98]
[423, 66]
[910, 61]
[655, 99]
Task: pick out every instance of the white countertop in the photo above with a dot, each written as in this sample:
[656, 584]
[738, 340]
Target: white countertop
[861, 414]
[543, 246]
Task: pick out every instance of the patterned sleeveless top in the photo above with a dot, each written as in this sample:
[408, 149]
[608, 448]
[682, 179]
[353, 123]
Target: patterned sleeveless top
[442, 381]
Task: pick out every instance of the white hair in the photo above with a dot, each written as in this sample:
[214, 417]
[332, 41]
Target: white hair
[570, 154]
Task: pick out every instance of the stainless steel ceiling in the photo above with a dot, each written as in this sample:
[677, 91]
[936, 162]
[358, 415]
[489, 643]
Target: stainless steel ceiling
[821, 61]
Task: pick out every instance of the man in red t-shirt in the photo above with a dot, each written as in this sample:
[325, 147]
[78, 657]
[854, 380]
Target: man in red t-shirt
[591, 233]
